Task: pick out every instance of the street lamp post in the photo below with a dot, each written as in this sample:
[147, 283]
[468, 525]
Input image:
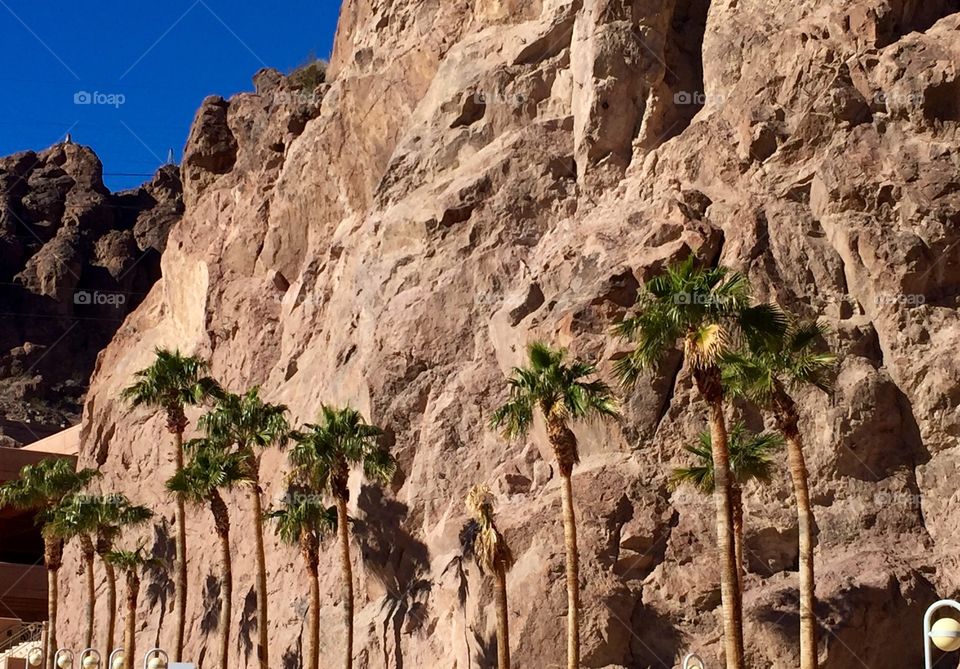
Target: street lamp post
[63, 659]
[117, 658]
[692, 661]
[944, 633]
[155, 658]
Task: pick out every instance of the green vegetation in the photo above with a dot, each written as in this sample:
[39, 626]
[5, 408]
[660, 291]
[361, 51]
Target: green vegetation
[731, 347]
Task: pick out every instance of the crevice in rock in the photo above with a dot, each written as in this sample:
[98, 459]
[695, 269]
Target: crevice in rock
[683, 57]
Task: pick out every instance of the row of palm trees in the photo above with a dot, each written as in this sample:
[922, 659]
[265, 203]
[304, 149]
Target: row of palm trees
[732, 346]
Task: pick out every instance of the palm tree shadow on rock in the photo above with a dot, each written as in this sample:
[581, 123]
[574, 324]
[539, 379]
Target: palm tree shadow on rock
[211, 604]
[160, 586]
[396, 559]
[293, 656]
[656, 642]
[248, 623]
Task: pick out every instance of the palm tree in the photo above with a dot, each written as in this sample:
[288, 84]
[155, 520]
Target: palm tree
[42, 488]
[131, 563]
[561, 393]
[751, 459]
[213, 468]
[493, 555]
[112, 514]
[709, 310]
[764, 374]
[304, 520]
[171, 383]
[71, 521]
[250, 425]
[323, 456]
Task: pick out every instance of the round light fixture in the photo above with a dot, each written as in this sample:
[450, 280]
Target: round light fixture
[156, 663]
[945, 634]
[35, 657]
[65, 660]
[91, 661]
[118, 661]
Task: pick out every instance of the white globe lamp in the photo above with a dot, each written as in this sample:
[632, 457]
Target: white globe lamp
[945, 634]
[35, 657]
[118, 660]
[157, 663]
[91, 662]
[65, 660]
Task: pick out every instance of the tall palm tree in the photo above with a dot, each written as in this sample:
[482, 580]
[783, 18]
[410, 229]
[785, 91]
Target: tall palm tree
[323, 456]
[765, 373]
[304, 520]
[71, 521]
[493, 555]
[212, 469]
[42, 488]
[250, 425]
[751, 459]
[131, 563]
[172, 382]
[562, 394]
[709, 310]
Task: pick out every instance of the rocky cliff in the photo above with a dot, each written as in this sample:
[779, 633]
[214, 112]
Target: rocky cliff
[480, 173]
[75, 259]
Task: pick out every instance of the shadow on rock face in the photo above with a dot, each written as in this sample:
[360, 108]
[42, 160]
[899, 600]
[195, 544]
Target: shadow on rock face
[397, 560]
[248, 623]
[656, 642]
[293, 656]
[160, 586]
[211, 604]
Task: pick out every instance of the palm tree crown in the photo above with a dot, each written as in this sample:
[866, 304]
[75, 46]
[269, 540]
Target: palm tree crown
[170, 383]
[558, 388]
[246, 421]
[44, 486]
[302, 512]
[131, 561]
[751, 458]
[486, 543]
[324, 452]
[764, 371]
[707, 307]
[211, 468]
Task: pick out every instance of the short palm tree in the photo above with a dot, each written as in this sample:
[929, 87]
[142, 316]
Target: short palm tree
[131, 563]
[304, 520]
[751, 459]
[71, 520]
[170, 384]
[212, 469]
[492, 555]
[111, 516]
[322, 457]
[44, 487]
[248, 424]
[765, 373]
[562, 393]
[709, 310]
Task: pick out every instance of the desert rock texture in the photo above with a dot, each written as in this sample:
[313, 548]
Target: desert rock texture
[477, 174]
[75, 259]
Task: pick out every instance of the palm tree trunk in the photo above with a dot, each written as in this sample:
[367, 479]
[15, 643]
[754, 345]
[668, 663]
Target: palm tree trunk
[503, 618]
[261, 585]
[729, 590]
[221, 519]
[130, 626]
[53, 558]
[90, 604]
[737, 498]
[111, 604]
[180, 569]
[564, 444]
[311, 558]
[805, 523]
[573, 574]
[344, 536]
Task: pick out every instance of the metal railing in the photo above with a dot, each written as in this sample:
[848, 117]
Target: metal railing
[29, 633]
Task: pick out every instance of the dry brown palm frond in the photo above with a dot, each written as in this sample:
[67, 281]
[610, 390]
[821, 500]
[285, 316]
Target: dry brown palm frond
[490, 549]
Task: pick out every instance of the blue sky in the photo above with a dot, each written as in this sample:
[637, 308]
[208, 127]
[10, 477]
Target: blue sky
[144, 66]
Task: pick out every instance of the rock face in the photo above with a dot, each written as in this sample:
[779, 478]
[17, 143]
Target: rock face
[75, 259]
[478, 174]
